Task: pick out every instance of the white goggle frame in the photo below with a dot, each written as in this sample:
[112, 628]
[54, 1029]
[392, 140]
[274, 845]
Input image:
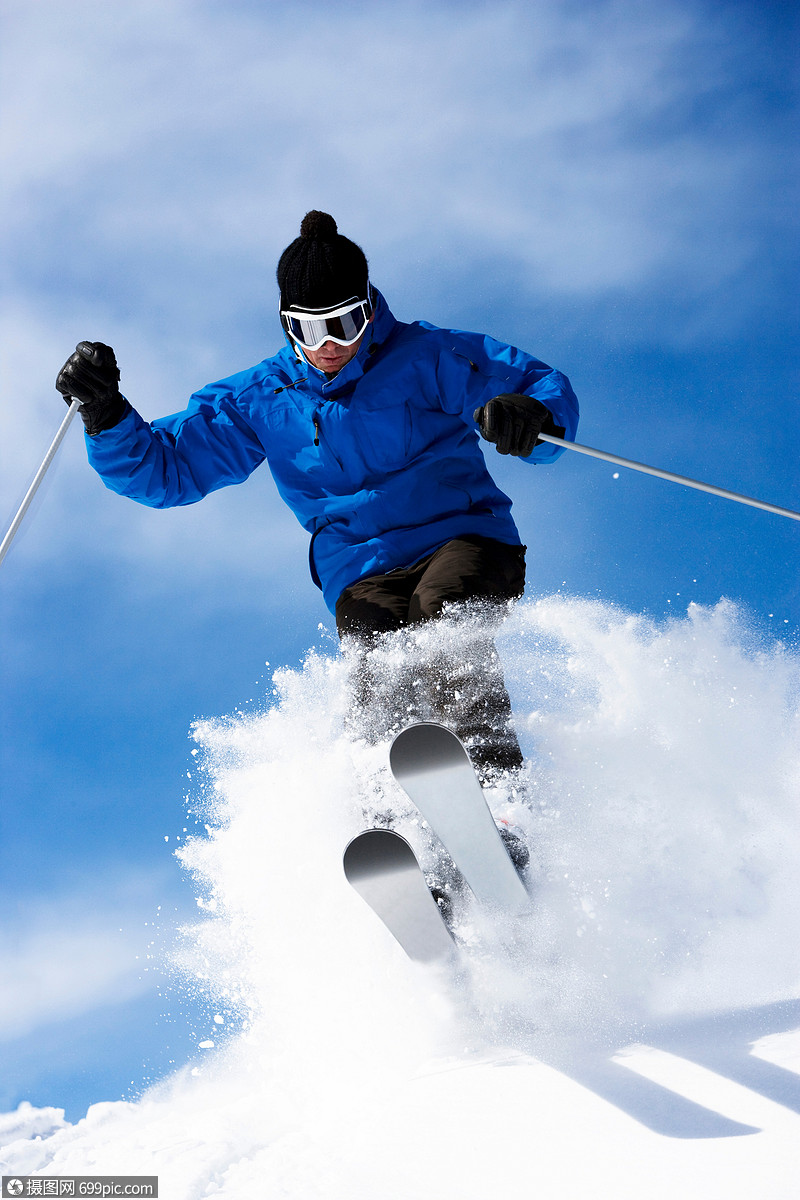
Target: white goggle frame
[312, 327]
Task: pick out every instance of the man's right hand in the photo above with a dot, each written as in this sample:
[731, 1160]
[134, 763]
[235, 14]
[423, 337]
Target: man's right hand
[91, 376]
[513, 422]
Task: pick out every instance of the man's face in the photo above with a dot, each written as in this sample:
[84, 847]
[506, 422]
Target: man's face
[331, 357]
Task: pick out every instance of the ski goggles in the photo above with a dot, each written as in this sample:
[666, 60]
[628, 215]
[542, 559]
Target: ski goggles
[343, 324]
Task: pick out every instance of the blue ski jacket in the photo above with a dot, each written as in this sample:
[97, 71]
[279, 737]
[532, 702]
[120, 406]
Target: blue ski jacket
[381, 464]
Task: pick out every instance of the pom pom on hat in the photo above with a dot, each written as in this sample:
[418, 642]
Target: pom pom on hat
[317, 224]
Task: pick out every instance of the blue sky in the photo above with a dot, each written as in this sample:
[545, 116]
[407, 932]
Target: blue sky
[612, 186]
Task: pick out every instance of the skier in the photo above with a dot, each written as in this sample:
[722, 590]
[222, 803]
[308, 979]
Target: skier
[370, 429]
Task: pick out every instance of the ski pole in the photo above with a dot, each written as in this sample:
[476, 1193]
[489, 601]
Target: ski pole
[40, 474]
[684, 479]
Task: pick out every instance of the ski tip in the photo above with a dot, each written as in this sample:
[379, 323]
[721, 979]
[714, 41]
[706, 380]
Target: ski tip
[376, 851]
[425, 746]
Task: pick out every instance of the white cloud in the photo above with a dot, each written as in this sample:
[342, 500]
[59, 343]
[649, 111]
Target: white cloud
[556, 137]
[70, 956]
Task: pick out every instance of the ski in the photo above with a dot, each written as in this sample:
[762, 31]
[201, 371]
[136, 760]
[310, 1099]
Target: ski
[383, 869]
[434, 769]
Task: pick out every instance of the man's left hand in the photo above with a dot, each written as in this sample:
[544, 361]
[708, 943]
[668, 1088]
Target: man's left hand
[513, 422]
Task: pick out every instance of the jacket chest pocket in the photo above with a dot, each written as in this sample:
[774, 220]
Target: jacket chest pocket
[382, 434]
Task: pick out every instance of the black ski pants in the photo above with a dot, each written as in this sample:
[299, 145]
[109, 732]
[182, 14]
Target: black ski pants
[460, 684]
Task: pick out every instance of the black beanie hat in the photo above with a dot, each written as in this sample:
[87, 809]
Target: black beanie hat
[321, 267]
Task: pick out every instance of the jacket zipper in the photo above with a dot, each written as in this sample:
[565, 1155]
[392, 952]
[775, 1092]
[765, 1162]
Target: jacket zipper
[317, 437]
[315, 418]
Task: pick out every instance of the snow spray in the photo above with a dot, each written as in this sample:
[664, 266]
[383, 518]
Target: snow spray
[659, 803]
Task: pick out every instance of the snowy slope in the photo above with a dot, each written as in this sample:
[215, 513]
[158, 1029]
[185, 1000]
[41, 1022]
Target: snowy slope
[638, 1035]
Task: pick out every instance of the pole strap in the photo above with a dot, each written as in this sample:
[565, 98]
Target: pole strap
[684, 479]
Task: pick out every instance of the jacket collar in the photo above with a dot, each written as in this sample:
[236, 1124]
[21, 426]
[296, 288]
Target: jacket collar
[378, 331]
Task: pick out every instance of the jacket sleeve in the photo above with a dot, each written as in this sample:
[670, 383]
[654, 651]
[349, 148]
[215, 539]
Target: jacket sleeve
[475, 368]
[178, 459]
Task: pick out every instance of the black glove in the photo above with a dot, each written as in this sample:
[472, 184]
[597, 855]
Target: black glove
[91, 375]
[514, 422]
